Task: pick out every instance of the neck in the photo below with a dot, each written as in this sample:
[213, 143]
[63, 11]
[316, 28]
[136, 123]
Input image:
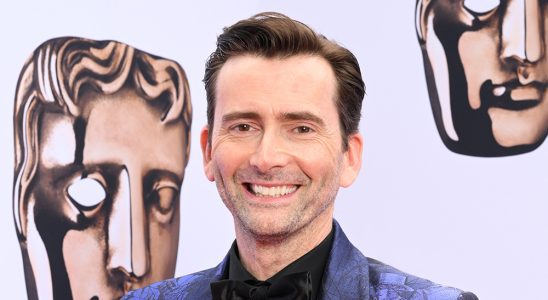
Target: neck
[263, 257]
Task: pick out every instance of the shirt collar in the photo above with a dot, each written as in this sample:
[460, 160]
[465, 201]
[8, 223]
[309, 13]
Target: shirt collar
[314, 262]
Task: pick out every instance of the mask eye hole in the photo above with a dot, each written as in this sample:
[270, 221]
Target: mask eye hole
[164, 198]
[86, 193]
[481, 7]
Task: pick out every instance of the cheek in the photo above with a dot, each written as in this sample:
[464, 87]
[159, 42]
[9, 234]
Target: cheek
[164, 242]
[228, 157]
[83, 253]
[479, 54]
[318, 159]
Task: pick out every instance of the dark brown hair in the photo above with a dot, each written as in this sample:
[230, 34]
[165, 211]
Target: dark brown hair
[274, 35]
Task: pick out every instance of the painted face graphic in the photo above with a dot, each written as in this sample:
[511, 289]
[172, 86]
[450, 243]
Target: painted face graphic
[114, 217]
[96, 199]
[487, 73]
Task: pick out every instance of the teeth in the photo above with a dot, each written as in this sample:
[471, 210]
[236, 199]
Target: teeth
[276, 191]
[499, 91]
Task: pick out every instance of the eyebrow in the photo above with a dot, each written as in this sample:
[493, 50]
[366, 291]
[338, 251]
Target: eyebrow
[156, 174]
[302, 116]
[285, 116]
[111, 169]
[240, 115]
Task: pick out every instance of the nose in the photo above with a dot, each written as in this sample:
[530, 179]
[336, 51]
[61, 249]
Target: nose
[270, 152]
[126, 229]
[522, 31]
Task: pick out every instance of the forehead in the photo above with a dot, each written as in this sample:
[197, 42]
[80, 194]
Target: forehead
[127, 129]
[121, 129]
[301, 80]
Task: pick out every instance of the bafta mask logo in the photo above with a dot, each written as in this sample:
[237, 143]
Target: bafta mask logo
[487, 72]
[101, 142]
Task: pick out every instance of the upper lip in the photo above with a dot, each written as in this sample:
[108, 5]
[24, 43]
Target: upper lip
[271, 184]
[514, 83]
[248, 185]
[505, 100]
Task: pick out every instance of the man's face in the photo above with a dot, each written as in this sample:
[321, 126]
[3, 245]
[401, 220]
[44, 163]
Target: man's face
[487, 69]
[107, 214]
[276, 146]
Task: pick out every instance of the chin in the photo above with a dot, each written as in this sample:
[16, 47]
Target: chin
[268, 228]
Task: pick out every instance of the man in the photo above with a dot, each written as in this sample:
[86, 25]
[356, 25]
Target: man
[102, 141]
[487, 73]
[282, 137]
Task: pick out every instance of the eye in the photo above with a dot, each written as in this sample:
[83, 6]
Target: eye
[243, 127]
[303, 129]
[481, 6]
[86, 193]
[164, 199]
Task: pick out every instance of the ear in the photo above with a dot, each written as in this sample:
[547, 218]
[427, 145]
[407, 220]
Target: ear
[206, 153]
[352, 160]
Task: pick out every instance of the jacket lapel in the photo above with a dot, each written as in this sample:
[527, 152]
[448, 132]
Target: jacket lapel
[347, 272]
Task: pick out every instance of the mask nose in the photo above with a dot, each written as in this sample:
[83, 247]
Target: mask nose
[522, 32]
[126, 229]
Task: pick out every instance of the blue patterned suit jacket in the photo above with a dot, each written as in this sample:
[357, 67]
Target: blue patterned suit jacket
[348, 275]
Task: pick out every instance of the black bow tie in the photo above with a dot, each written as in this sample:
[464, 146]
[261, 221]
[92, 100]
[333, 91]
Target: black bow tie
[292, 286]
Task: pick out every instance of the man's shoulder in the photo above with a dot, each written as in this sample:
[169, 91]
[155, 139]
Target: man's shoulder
[192, 286]
[352, 275]
[388, 282]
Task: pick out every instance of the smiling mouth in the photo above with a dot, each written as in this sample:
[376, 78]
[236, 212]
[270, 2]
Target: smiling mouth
[511, 95]
[271, 191]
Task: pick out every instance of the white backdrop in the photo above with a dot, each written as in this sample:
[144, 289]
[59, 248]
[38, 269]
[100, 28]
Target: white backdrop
[478, 224]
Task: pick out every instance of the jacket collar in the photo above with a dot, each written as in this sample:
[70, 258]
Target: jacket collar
[347, 272]
[346, 275]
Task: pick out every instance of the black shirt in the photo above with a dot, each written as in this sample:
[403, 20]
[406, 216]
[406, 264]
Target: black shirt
[314, 262]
